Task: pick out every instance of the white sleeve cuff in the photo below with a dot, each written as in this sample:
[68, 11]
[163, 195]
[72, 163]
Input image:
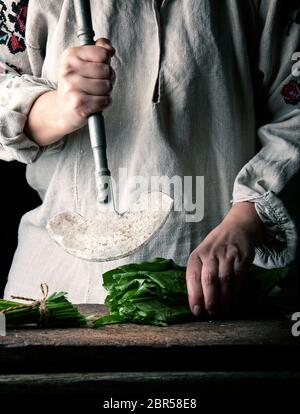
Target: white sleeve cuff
[279, 223]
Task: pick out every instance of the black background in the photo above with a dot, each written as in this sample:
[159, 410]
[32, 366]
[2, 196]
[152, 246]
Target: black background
[16, 198]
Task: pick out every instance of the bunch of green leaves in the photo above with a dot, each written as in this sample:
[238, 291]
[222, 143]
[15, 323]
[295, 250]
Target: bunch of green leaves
[155, 292]
[148, 293]
[60, 313]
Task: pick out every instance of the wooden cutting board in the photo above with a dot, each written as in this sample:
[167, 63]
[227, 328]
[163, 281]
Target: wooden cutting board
[201, 352]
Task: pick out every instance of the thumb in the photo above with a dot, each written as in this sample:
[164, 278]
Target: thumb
[105, 43]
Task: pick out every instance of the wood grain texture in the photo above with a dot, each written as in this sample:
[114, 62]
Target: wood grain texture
[262, 344]
[204, 333]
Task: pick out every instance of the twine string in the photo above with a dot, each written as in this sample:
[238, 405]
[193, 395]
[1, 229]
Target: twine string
[41, 303]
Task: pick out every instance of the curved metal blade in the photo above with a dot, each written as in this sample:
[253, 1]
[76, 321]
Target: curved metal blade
[109, 236]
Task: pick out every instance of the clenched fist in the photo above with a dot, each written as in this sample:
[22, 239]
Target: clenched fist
[85, 84]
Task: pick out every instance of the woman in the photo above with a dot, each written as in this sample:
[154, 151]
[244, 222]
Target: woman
[197, 86]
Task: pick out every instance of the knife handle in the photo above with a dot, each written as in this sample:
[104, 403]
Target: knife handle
[96, 124]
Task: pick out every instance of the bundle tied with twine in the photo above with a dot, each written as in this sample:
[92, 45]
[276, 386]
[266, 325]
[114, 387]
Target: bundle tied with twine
[53, 311]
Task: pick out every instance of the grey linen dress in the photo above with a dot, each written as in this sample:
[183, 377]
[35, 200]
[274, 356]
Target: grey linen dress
[203, 88]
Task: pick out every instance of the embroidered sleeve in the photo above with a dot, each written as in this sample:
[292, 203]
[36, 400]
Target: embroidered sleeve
[269, 178]
[12, 30]
[19, 86]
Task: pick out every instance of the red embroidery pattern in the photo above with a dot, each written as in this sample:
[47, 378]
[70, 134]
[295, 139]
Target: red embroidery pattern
[12, 25]
[291, 92]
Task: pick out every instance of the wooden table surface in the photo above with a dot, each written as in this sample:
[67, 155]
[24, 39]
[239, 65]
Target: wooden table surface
[239, 351]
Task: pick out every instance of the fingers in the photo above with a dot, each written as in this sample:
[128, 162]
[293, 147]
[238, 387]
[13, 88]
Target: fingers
[210, 285]
[101, 52]
[227, 280]
[214, 280]
[216, 267]
[87, 54]
[86, 79]
[86, 105]
[194, 286]
[105, 43]
[89, 62]
[95, 87]
[92, 70]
